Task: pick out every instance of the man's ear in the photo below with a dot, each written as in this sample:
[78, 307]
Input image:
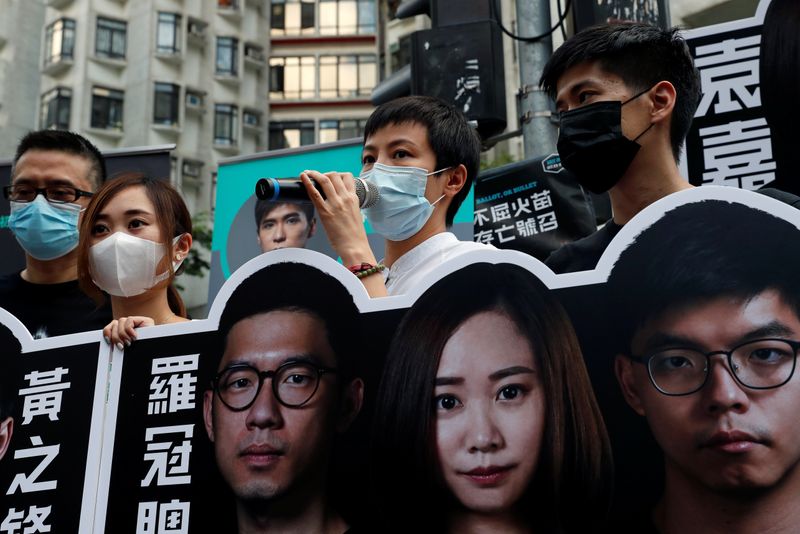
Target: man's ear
[456, 179]
[208, 400]
[663, 96]
[352, 400]
[312, 227]
[6, 431]
[623, 368]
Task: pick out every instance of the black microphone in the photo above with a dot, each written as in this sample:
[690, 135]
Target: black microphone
[288, 189]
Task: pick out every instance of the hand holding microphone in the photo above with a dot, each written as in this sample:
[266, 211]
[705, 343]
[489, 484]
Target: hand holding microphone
[289, 189]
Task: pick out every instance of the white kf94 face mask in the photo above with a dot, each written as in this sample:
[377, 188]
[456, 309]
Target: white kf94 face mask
[125, 266]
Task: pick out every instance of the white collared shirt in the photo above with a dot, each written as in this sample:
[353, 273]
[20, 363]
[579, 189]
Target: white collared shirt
[415, 264]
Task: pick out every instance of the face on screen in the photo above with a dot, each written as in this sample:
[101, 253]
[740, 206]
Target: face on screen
[284, 226]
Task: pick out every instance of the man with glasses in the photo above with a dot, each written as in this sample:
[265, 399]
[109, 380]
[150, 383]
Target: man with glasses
[285, 387]
[52, 178]
[708, 303]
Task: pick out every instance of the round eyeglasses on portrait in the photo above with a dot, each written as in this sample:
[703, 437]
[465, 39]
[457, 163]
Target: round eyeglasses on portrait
[57, 194]
[757, 364]
[293, 384]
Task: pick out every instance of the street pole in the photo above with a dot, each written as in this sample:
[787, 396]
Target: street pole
[538, 131]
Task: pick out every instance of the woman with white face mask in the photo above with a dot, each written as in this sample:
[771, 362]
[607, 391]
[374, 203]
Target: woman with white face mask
[134, 236]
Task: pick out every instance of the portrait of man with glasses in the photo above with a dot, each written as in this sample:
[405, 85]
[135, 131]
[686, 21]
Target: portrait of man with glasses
[707, 301]
[53, 176]
[285, 387]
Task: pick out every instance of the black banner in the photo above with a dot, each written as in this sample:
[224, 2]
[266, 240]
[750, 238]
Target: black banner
[533, 206]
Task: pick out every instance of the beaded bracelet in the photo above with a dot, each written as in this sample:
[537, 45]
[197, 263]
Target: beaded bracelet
[366, 269]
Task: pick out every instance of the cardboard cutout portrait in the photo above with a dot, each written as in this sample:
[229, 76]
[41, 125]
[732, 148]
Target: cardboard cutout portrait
[469, 393]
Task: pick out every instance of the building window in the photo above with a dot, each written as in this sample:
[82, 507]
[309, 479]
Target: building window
[165, 106]
[168, 33]
[290, 134]
[292, 17]
[225, 124]
[400, 53]
[347, 17]
[59, 42]
[292, 77]
[346, 76]
[107, 108]
[391, 8]
[110, 38]
[333, 130]
[227, 56]
[55, 109]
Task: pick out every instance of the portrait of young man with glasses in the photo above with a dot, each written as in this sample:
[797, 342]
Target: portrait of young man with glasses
[52, 178]
[708, 303]
[285, 387]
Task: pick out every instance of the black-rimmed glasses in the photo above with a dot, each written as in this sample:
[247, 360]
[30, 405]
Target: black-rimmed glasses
[293, 384]
[57, 194]
[758, 364]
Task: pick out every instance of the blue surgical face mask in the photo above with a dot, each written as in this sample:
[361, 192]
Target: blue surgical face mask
[402, 209]
[44, 229]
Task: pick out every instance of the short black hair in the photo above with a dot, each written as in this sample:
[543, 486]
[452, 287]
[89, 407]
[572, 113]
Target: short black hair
[301, 288]
[69, 142]
[642, 55]
[453, 140]
[698, 252]
[264, 207]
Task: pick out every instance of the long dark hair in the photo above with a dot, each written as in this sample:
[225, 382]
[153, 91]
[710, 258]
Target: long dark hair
[173, 220]
[575, 467]
[779, 75]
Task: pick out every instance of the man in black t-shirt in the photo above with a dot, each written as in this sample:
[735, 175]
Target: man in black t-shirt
[53, 175]
[626, 95]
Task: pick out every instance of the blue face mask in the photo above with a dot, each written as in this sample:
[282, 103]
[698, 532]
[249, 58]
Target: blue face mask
[402, 209]
[45, 230]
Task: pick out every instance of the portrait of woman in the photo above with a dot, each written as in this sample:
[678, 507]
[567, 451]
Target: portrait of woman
[134, 236]
[485, 419]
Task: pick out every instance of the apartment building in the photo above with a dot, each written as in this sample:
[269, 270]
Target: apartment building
[323, 65]
[149, 72]
[20, 63]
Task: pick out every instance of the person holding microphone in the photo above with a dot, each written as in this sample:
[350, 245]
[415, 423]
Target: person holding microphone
[422, 156]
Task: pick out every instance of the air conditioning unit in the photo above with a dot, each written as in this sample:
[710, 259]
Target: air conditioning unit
[192, 168]
[196, 29]
[254, 52]
[251, 119]
[194, 100]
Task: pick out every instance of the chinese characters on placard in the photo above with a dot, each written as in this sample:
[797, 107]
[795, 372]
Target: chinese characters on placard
[521, 217]
[41, 399]
[735, 152]
[168, 447]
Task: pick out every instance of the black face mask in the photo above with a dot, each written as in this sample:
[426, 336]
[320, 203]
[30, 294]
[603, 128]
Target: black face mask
[592, 147]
